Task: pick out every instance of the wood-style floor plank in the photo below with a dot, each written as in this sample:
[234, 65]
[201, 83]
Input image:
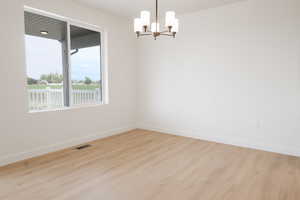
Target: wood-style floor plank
[146, 165]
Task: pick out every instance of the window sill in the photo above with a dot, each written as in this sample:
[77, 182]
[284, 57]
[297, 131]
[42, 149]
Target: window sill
[68, 108]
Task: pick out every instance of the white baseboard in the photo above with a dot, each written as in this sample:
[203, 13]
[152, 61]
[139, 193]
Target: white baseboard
[59, 146]
[253, 144]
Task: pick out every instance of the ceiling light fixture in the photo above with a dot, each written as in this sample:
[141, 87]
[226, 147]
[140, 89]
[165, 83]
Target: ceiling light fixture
[44, 32]
[142, 25]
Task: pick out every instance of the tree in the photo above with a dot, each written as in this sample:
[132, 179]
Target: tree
[52, 78]
[87, 81]
[31, 81]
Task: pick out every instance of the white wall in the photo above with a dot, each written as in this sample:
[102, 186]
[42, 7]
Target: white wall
[232, 75]
[23, 134]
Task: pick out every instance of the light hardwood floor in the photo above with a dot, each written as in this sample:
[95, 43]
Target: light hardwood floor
[145, 165]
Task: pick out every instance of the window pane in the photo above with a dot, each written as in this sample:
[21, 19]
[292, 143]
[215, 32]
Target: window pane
[85, 69]
[45, 40]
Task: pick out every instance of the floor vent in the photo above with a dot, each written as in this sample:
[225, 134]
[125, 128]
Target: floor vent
[83, 147]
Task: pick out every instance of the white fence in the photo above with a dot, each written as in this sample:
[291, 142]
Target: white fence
[40, 99]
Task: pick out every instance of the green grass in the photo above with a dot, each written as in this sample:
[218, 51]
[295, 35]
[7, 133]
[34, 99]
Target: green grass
[86, 87]
[76, 87]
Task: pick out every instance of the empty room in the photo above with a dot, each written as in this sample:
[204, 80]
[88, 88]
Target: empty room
[150, 100]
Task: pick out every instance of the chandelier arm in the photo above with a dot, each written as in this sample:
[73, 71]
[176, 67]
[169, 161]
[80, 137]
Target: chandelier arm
[166, 31]
[145, 34]
[172, 34]
[166, 34]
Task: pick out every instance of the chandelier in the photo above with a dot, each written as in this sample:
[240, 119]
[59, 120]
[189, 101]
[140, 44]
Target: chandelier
[142, 25]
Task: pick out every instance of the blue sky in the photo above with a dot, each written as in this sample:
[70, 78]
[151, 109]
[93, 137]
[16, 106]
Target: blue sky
[44, 56]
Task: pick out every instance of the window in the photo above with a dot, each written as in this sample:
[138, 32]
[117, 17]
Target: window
[85, 62]
[63, 63]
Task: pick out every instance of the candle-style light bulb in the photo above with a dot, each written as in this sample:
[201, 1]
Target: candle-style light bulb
[175, 26]
[170, 18]
[154, 27]
[138, 25]
[145, 18]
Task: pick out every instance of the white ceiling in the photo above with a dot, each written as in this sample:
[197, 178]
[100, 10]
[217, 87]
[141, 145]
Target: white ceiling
[132, 8]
